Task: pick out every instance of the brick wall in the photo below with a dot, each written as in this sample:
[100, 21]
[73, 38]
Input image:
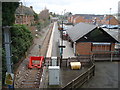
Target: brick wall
[24, 19]
[83, 48]
[79, 19]
[86, 47]
[113, 47]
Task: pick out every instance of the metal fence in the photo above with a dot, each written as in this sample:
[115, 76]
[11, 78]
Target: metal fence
[85, 60]
[81, 79]
[106, 57]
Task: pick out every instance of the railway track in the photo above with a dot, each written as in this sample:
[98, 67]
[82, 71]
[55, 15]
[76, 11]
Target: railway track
[30, 78]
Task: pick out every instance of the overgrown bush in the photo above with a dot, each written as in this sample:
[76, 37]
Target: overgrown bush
[21, 39]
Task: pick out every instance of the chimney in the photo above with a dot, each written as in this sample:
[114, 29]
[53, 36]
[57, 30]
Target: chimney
[31, 7]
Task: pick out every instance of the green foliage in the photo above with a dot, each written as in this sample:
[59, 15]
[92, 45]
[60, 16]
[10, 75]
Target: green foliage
[21, 40]
[4, 68]
[8, 10]
[36, 18]
[46, 23]
[8, 18]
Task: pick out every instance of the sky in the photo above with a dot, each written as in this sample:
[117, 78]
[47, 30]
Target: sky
[74, 6]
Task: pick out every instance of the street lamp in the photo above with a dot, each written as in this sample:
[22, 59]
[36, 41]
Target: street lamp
[61, 46]
[109, 18]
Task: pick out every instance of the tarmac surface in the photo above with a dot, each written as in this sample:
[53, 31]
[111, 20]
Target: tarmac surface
[67, 74]
[67, 51]
[106, 76]
[106, 73]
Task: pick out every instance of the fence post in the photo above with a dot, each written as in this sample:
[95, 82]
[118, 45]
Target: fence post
[88, 74]
[111, 57]
[72, 84]
[94, 70]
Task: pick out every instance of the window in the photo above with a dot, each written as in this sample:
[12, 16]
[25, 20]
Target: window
[101, 47]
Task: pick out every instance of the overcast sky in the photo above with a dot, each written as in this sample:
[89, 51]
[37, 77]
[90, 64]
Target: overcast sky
[74, 6]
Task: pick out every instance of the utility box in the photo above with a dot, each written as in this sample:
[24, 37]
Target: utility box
[54, 61]
[54, 75]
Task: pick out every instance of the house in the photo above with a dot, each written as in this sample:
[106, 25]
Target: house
[110, 19]
[24, 15]
[44, 14]
[95, 19]
[86, 39]
[86, 18]
[71, 18]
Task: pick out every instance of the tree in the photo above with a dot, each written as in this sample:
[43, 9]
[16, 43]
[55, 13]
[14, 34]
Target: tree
[8, 10]
[21, 40]
[36, 18]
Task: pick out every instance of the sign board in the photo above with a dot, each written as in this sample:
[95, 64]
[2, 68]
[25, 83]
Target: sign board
[61, 46]
[9, 78]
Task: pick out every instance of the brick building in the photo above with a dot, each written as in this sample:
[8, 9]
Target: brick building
[86, 39]
[24, 15]
[109, 19]
[91, 18]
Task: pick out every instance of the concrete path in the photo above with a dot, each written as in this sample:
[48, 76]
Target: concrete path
[52, 49]
[68, 51]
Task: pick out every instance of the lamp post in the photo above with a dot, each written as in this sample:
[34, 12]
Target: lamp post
[61, 46]
[109, 18]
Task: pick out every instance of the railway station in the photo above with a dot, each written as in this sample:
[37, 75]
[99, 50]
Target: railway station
[61, 51]
[69, 72]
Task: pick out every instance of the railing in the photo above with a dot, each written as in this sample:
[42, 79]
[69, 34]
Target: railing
[48, 61]
[80, 80]
[106, 57]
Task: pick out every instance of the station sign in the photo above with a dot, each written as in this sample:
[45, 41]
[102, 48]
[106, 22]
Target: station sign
[9, 78]
[61, 46]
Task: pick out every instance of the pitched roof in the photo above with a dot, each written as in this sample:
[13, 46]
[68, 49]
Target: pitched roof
[80, 30]
[89, 15]
[113, 32]
[24, 10]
